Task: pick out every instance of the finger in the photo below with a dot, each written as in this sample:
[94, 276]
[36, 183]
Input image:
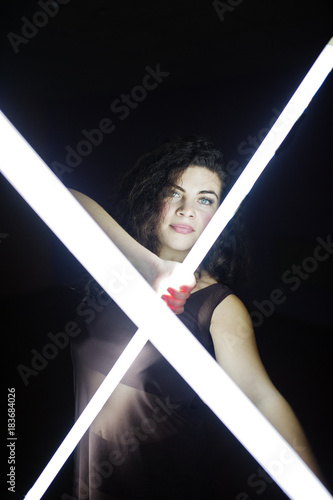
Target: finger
[179, 294]
[172, 302]
[187, 289]
[176, 310]
[180, 310]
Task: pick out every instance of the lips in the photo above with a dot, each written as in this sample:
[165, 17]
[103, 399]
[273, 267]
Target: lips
[182, 228]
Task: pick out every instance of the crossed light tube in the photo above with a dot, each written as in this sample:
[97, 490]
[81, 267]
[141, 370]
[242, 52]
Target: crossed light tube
[37, 184]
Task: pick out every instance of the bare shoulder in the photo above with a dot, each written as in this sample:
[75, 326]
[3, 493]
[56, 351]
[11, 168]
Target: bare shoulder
[236, 349]
[230, 312]
[231, 330]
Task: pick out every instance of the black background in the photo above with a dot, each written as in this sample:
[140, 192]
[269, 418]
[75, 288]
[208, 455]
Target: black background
[227, 77]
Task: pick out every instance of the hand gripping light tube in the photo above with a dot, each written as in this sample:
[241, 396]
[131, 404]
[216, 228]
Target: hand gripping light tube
[123, 287]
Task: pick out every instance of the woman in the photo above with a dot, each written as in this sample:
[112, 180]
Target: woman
[150, 440]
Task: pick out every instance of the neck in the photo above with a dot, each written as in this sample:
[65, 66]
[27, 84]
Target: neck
[203, 280]
[172, 255]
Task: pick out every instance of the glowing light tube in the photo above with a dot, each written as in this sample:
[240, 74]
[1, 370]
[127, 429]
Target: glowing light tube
[92, 409]
[279, 131]
[122, 282]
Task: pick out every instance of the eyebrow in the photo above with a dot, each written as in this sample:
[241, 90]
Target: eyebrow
[200, 192]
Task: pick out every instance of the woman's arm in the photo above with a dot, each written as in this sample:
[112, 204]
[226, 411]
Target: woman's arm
[236, 351]
[155, 270]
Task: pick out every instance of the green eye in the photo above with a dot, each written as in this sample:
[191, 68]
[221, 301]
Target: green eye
[206, 201]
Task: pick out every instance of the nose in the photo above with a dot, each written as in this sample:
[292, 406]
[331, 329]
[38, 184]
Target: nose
[186, 209]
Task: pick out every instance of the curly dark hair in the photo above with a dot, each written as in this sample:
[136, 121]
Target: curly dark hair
[139, 199]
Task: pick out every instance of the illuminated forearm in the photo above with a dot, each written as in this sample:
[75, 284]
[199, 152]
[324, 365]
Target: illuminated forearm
[279, 413]
[142, 259]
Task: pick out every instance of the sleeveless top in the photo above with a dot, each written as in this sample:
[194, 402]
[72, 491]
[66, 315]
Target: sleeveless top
[149, 441]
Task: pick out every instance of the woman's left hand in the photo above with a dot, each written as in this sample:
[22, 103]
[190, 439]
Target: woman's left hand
[174, 284]
[177, 298]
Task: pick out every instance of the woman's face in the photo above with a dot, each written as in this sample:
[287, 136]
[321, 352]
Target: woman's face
[186, 211]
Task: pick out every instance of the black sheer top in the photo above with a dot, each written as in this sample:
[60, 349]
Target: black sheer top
[149, 441]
